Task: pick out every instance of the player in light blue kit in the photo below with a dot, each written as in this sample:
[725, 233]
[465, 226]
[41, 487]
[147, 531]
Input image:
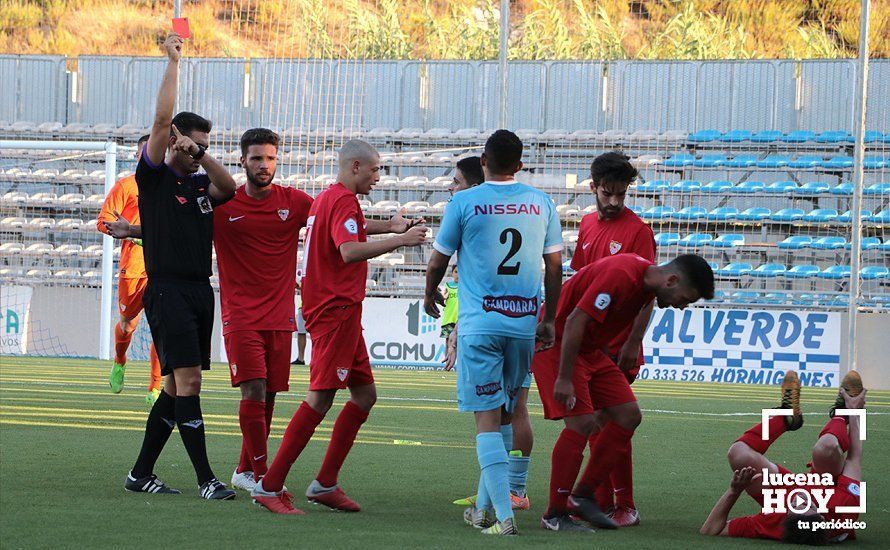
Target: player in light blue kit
[502, 228]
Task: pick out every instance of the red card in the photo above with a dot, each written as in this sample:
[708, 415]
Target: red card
[181, 27]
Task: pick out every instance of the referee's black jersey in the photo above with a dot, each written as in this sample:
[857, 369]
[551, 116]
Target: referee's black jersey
[177, 222]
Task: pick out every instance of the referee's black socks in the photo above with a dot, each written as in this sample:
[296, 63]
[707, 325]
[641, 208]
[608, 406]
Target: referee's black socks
[191, 429]
[160, 423]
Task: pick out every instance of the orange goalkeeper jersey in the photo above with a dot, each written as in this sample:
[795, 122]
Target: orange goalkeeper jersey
[124, 198]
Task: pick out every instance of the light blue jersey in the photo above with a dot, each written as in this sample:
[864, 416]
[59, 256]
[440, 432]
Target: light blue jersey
[502, 229]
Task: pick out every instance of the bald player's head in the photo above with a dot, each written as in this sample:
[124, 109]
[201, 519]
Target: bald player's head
[359, 166]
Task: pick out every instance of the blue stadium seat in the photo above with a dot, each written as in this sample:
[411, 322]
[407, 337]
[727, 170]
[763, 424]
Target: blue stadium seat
[835, 136]
[679, 160]
[866, 243]
[722, 214]
[781, 187]
[795, 242]
[821, 215]
[847, 216]
[703, 136]
[741, 161]
[567, 266]
[813, 188]
[872, 136]
[695, 240]
[881, 217]
[806, 161]
[885, 138]
[728, 240]
[710, 160]
[745, 296]
[767, 136]
[845, 188]
[719, 296]
[734, 270]
[802, 271]
[874, 272]
[828, 243]
[874, 162]
[882, 299]
[877, 189]
[768, 271]
[736, 136]
[799, 136]
[836, 300]
[749, 187]
[636, 209]
[719, 186]
[658, 213]
[690, 213]
[787, 215]
[654, 186]
[774, 298]
[685, 186]
[667, 239]
[754, 214]
[774, 161]
[885, 246]
[835, 272]
[838, 163]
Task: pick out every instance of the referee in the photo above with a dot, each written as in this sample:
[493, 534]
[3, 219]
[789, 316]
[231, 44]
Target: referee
[176, 209]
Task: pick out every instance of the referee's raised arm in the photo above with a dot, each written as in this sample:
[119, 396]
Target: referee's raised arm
[159, 137]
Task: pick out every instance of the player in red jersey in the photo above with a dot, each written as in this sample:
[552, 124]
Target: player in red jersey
[256, 235]
[576, 377]
[616, 229]
[746, 457]
[335, 271]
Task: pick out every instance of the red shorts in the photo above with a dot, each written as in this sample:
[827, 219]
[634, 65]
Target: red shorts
[339, 355]
[129, 296]
[598, 384]
[260, 354]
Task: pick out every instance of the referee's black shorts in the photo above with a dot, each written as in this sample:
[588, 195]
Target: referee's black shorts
[180, 315]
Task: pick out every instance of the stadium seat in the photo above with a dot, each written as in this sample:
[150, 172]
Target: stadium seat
[673, 135]
[67, 251]
[734, 270]
[736, 136]
[642, 136]
[781, 187]
[12, 249]
[787, 215]
[93, 251]
[747, 187]
[570, 236]
[872, 136]
[741, 161]
[754, 214]
[795, 242]
[767, 136]
[685, 186]
[722, 214]
[719, 186]
[768, 271]
[866, 243]
[805, 161]
[885, 246]
[821, 215]
[710, 160]
[882, 217]
[745, 296]
[654, 186]
[385, 208]
[874, 162]
[828, 243]
[636, 209]
[847, 216]
[874, 272]
[774, 161]
[690, 213]
[838, 163]
[801, 271]
[813, 188]
[667, 239]
[728, 240]
[70, 224]
[14, 198]
[695, 240]
[835, 272]
[567, 267]
[704, 136]
[658, 213]
[799, 136]
[876, 189]
[415, 208]
[834, 136]
[773, 298]
[679, 160]
[37, 250]
[842, 189]
[43, 199]
[39, 224]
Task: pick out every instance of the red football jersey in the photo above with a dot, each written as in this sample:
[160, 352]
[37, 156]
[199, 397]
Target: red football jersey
[256, 252]
[599, 239]
[328, 281]
[609, 290]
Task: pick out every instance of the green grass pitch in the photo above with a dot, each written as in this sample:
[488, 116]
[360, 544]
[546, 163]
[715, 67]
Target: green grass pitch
[67, 444]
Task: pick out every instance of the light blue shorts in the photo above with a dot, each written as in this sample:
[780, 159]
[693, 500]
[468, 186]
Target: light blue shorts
[491, 370]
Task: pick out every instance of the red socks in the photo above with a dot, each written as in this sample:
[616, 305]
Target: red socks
[155, 381]
[837, 427]
[565, 463]
[610, 446]
[298, 433]
[622, 479]
[121, 344]
[270, 410]
[604, 494]
[346, 428]
[752, 437]
[252, 417]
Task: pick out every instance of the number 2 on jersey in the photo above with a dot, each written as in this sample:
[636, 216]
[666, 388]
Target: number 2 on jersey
[515, 244]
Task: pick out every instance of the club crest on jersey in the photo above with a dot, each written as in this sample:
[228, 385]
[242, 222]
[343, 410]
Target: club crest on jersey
[342, 374]
[234, 368]
[511, 306]
[351, 226]
[614, 247]
[283, 213]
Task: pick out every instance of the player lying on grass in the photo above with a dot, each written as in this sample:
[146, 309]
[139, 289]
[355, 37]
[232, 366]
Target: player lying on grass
[335, 270]
[501, 229]
[576, 378]
[746, 458]
[516, 428]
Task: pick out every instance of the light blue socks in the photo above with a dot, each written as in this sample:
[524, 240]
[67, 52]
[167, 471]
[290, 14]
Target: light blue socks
[495, 473]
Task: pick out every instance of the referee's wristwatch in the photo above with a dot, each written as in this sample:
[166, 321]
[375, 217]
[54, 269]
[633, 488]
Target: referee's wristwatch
[200, 153]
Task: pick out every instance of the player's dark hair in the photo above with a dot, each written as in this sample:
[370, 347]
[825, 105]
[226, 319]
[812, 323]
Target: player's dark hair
[612, 167]
[258, 136]
[141, 140]
[793, 534]
[471, 168]
[503, 152]
[187, 123]
[697, 272]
